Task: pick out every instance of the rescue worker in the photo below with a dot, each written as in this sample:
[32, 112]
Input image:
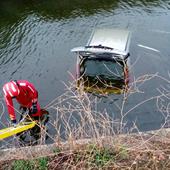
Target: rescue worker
[25, 94]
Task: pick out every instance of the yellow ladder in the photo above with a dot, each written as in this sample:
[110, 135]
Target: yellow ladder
[10, 131]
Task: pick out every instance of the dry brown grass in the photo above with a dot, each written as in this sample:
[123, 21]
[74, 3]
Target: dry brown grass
[77, 117]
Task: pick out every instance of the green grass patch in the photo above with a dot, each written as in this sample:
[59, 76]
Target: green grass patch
[37, 164]
[23, 165]
[99, 157]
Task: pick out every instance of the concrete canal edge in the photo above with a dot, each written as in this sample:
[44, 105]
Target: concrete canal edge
[31, 152]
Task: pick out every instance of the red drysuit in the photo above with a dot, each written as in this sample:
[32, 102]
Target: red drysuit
[24, 92]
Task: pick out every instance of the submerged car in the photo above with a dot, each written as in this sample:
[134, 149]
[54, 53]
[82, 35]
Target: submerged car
[103, 63]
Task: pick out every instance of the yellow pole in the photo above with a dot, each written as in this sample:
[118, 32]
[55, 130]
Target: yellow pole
[10, 131]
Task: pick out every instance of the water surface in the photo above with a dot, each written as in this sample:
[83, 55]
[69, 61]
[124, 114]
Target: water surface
[36, 38]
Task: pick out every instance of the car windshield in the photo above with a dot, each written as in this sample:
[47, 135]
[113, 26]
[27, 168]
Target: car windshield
[102, 68]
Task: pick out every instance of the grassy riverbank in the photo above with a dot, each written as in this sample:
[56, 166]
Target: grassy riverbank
[146, 151]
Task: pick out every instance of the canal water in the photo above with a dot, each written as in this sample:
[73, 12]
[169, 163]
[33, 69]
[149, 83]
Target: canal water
[36, 37]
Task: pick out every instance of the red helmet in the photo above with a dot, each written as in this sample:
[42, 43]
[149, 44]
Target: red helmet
[11, 89]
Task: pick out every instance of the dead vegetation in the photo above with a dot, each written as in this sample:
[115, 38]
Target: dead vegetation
[123, 152]
[77, 118]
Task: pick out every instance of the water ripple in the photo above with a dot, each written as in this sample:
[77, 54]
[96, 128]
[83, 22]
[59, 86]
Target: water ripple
[36, 41]
[157, 6]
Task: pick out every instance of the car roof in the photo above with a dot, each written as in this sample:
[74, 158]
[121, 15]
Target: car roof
[113, 38]
[107, 40]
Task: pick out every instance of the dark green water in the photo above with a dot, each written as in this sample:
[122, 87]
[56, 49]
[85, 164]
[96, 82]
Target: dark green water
[36, 37]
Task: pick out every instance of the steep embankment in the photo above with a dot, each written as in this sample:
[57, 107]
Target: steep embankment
[150, 150]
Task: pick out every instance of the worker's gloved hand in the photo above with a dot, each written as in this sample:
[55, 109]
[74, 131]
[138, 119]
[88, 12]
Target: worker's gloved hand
[14, 123]
[34, 108]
